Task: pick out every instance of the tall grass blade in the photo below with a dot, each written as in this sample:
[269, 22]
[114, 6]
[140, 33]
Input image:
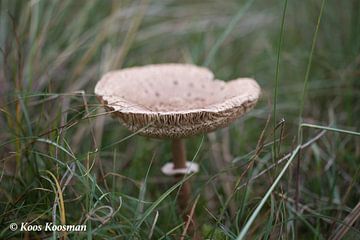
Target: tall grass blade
[266, 196]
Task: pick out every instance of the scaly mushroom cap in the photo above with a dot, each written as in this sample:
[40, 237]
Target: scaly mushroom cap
[174, 100]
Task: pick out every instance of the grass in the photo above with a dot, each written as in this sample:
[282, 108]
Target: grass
[287, 170]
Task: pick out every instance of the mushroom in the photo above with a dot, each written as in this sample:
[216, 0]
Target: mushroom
[175, 101]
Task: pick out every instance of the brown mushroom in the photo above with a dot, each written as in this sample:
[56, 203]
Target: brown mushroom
[175, 101]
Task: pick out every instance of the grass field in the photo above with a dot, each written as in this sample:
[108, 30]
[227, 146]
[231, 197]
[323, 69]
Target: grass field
[289, 169]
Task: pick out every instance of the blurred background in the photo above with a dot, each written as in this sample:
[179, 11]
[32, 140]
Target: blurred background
[56, 139]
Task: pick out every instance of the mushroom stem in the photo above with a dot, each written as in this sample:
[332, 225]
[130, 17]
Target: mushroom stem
[179, 159]
[179, 153]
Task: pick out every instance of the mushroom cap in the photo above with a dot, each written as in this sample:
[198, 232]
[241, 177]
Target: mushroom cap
[174, 100]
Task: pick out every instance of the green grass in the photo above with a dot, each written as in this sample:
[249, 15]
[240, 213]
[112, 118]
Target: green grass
[63, 159]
